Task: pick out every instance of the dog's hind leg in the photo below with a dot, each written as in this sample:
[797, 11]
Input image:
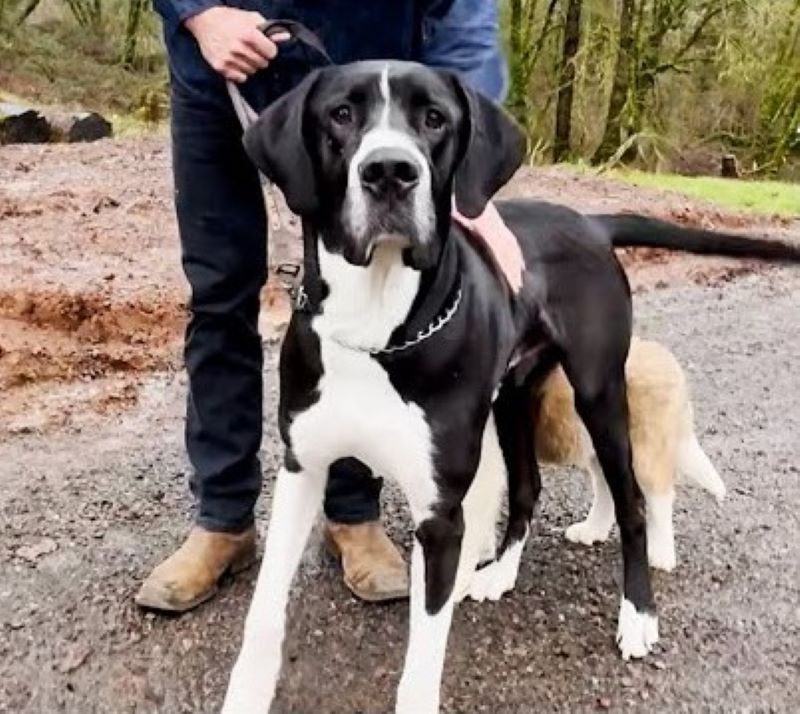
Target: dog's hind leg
[481, 510]
[297, 500]
[600, 519]
[515, 416]
[660, 531]
[601, 402]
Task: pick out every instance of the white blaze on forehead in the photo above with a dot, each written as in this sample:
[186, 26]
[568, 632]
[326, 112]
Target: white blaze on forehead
[383, 136]
[386, 96]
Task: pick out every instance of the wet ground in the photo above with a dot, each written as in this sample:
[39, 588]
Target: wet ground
[93, 483]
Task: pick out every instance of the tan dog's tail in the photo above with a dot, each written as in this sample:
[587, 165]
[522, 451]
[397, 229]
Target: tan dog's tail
[694, 465]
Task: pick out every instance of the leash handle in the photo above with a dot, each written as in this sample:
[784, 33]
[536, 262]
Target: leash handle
[291, 275]
[299, 32]
[296, 31]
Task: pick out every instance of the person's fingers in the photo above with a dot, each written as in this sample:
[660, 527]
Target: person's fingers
[234, 75]
[236, 70]
[502, 243]
[260, 22]
[249, 59]
[266, 47]
[279, 37]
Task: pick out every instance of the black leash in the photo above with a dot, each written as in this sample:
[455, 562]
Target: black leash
[291, 275]
[296, 31]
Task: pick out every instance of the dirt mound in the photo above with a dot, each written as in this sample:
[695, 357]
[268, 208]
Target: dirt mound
[94, 317]
[102, 347]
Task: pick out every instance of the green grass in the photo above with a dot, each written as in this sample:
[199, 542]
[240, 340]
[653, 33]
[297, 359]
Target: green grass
[770, 197]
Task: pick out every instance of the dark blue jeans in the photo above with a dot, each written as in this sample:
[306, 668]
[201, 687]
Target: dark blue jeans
[223, 226]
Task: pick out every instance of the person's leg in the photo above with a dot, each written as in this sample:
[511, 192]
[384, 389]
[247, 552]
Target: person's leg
[222, 225]
[373, 568]
[353, 494]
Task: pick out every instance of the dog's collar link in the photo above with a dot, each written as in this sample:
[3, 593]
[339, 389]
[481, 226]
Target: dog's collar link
[437, 324]
[291, 278]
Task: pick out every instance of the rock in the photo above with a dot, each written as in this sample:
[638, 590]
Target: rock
[76, 657]
[22, 125]
[33, 552]
[26, 125]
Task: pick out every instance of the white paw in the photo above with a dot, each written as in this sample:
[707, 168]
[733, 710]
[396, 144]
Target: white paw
[661, 555]
[637, 632]
[586, 532]
[491, 582]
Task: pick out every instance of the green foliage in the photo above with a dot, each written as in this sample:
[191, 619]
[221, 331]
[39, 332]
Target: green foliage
[656, 83]
[668, 81]
[76, 54]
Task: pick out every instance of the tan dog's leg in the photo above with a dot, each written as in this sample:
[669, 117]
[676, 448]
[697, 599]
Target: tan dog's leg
[660, 533]
[600, 518]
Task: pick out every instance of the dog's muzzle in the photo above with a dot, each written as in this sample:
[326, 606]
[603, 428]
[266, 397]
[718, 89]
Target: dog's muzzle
[389, 174]
[388, 198]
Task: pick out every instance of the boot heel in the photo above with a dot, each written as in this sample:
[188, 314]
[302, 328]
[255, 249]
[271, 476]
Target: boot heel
[244, 560]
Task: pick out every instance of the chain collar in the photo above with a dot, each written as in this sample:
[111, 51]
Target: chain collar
[434, 326]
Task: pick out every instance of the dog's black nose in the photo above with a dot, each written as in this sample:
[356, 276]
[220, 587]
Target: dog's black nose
[389, 172]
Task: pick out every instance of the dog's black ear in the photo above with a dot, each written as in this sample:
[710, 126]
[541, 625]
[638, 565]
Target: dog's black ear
[493, 147]
[275, 144]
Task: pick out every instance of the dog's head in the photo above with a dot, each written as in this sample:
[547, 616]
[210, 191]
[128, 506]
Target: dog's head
[373, 152]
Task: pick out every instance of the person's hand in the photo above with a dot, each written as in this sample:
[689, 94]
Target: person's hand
[502, 243]
[231, 41]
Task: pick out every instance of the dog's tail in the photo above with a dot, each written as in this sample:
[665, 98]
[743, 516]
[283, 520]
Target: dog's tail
[629, 230]
[694, 464]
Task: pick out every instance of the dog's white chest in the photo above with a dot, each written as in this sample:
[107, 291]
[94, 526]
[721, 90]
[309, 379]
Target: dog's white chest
[359, 413]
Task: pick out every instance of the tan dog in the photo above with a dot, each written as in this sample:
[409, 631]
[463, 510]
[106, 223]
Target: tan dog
[663, 442]
[664, 447]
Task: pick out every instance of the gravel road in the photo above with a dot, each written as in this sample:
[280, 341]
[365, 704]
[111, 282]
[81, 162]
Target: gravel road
[87, 506]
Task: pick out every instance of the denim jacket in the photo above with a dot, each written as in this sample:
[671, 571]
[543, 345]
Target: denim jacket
[460, 35]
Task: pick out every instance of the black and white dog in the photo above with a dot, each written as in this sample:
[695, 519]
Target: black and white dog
[412, 356]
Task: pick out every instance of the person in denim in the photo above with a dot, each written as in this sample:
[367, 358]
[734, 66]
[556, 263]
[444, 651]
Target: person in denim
[223, 225]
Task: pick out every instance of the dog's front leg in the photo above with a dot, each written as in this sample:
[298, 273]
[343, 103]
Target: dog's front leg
[434, 561]
[296, 502]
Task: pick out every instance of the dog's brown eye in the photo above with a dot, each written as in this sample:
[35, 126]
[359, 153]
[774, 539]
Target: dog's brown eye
[434, 119]
[342, 115]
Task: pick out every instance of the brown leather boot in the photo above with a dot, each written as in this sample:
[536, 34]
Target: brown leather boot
[190, 575]
[373, 568]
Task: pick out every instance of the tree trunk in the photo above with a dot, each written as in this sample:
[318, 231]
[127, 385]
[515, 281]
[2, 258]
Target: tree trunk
[27, 11]
[135, 10]
[572, 36]
[612, 135]
[518, 88]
